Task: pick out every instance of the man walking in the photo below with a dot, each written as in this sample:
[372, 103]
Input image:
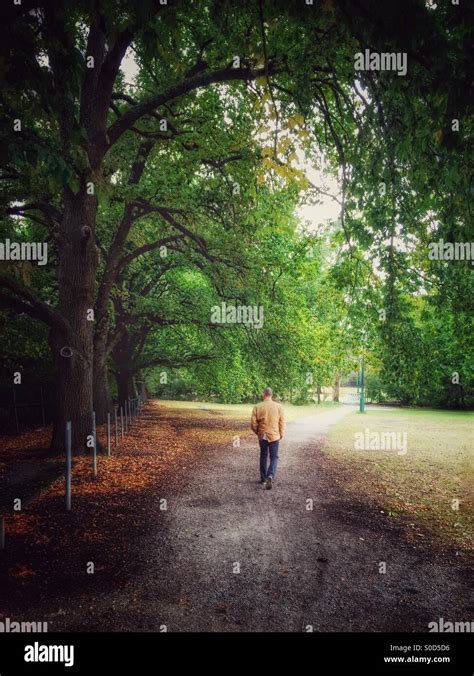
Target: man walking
[268, 423]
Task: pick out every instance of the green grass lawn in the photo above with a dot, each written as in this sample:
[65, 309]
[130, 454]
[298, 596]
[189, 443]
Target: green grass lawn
[421, 484]
[243, 411]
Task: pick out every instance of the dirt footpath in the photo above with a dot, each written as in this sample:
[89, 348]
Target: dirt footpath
[228, 555]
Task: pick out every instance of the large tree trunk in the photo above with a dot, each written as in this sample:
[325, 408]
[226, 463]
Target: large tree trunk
[122, 355]
[125, 386]
[102, 398]
[336, 387]
[73, 353]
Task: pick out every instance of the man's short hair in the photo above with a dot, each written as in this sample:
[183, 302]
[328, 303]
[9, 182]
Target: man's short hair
[268, 392]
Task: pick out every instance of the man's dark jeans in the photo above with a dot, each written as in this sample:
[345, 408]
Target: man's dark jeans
[268, 448]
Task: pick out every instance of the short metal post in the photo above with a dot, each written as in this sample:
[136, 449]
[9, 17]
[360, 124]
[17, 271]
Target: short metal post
[126, 415]
[116, 426]
[108, 433]
[68, 466]
[94, 457]
[121, 419]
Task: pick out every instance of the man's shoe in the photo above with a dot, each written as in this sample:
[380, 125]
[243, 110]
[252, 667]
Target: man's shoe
[262, 481]
[269, 485]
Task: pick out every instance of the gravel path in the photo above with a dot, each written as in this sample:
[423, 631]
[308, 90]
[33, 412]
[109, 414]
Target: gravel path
[228, 555]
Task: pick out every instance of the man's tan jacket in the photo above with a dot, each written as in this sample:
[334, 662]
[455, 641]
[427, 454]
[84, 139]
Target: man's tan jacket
[268, 418]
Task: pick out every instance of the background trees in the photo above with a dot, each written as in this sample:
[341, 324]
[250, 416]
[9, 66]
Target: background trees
[160, 150]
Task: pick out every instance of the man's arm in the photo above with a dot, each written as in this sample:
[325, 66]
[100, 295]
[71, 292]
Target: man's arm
[281, 422]
[253, 421]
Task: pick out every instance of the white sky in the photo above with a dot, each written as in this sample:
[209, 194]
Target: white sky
[129, 67]
[328, 209]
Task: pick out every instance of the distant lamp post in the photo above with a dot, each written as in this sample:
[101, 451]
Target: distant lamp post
[362, 388]
[362, 377]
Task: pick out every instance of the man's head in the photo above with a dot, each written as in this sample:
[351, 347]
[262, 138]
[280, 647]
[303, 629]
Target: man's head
[267, 393]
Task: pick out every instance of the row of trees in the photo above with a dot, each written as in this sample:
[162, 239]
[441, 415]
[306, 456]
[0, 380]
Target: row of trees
[164, 191]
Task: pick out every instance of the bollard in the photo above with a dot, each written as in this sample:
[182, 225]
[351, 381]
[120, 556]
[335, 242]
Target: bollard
[115, 426]
[94, 455]
[108, 433]
[121, 419]
[68, 466]
[126, 415]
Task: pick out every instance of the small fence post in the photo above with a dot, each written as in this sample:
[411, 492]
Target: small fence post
[116, 426]
[108, 433]
[94, 458]
[68, 466]
[121, 419]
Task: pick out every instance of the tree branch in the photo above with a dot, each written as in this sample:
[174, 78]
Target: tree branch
[128, 258]
[34, 307]
[188, 85]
